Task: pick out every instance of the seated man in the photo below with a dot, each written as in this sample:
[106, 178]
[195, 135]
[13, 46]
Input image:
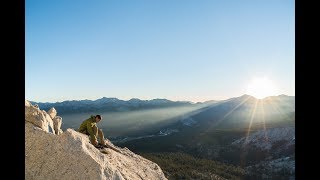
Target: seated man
[89, 127]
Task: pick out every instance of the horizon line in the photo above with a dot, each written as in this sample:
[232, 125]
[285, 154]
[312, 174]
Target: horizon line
[158, 98]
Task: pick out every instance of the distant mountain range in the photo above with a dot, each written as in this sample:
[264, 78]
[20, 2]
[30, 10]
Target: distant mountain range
[110, 105]
[236, 130]
[116, 105]
[239, 113]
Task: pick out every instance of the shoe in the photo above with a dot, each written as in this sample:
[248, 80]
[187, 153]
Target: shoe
[99, 146]
[103, 145]
[106, 146]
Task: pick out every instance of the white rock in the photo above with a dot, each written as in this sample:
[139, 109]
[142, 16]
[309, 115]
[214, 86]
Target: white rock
[36, 117]
[60, 131]
[49, 120]
[27, 103]
[52, 112]
[71, 156]
[57, 121]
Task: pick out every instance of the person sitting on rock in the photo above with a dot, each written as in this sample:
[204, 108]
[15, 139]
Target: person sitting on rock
[89, 127]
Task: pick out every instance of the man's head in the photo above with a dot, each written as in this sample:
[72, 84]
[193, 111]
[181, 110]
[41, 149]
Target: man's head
[98, 118]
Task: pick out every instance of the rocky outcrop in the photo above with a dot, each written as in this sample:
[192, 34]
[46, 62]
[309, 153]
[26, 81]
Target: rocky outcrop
[52, 112]
[266, 139]
[57, 121]
[70, 155]
[50, 122]
[37, 117]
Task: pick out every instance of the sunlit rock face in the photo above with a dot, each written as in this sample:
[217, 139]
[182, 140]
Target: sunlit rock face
[265, 139]
[52, 112]
[70, 155]
[37, 117]
[57, 121]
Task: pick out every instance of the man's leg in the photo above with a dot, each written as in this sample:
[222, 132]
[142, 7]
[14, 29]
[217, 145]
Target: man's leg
[91, 140]
[101, 137]
[95, 132]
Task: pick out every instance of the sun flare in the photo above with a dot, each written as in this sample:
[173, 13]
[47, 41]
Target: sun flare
[261, 87]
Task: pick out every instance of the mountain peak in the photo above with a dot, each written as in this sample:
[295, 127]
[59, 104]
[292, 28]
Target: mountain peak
[110, 98]
[135, 99]
[246, 96]
[283, 95]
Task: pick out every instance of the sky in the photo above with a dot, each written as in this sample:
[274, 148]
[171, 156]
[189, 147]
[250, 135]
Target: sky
[190, 50]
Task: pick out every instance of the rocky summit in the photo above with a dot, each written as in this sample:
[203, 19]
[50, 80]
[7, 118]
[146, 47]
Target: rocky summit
[51, 153]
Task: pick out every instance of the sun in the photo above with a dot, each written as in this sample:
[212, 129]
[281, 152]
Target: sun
[261, 87]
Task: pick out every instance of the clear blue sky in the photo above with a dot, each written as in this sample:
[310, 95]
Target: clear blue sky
[193, 50]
